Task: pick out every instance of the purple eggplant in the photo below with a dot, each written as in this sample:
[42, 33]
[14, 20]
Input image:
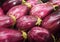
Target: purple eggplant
[52, 22]
[42, 10]
[9, 35]
[27, 22]
[9, 4]
[38, 34]
[6, 21]
[18, 11]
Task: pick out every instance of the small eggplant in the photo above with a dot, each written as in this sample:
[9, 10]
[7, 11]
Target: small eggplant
[27, 22]
[39, 34]
[52, 22]
[42, 10]
[8, 4]
[9, 35]
[18, 11]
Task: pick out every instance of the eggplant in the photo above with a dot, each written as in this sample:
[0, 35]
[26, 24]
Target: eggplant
[18, 11]
[6, 21]
[27, 22]
[9, 35]
[39, 34]
[42, 10]
[52, 22]
[8, 4]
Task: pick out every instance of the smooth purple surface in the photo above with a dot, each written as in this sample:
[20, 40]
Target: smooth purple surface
[18, 11]
[6, 21]
[41, 10]
[38, 34]
[9, 35]
[26, 22]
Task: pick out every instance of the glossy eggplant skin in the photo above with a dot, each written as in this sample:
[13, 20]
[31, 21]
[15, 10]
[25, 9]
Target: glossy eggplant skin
[18, 11]
[38, 34]
[8, 4]
[41, 10]
[6, 21]
[52, 21]
[26, 22]
[9, 35]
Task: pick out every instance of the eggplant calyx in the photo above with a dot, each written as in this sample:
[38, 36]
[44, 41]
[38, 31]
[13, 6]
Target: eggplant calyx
[14, 19]
[38, 21]
[26, 3]
[24, 34]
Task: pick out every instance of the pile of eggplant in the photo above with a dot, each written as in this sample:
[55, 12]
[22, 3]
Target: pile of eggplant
[29, 20]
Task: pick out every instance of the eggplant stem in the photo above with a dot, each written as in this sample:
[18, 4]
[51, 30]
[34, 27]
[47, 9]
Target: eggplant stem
[24, 34]
[23, 1]
[38, 21]
[14, 19]
[53, 37]
[26, 3]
